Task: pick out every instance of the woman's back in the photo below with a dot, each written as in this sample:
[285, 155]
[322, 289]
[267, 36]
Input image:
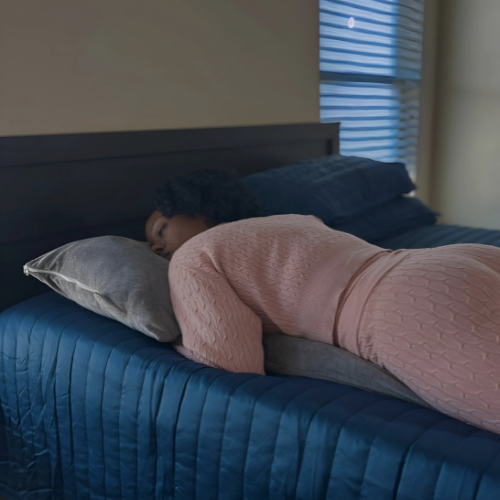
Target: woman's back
[288, 271]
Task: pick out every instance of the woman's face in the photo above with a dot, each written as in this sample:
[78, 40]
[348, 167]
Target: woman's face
[167, 235]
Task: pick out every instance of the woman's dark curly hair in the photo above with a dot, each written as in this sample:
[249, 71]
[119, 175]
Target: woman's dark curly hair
[214, 194]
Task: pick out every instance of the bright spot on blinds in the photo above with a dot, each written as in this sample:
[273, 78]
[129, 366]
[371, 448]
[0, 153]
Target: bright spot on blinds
[370, 65]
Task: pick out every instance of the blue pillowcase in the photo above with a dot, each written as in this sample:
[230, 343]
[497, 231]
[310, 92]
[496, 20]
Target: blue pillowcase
[333, 188]
[389, 219]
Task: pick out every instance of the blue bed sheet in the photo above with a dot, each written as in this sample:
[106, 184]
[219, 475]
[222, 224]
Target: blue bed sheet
[436, 235]
[90, 408]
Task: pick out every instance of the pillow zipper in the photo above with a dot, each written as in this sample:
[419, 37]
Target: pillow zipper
[27, 271]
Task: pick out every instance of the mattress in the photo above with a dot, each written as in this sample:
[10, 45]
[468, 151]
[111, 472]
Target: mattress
[90, 408]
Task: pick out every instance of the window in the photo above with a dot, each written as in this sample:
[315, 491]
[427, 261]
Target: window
[370, 65]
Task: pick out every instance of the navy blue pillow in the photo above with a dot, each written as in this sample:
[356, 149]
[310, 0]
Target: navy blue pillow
[389, 219]
[333, 188]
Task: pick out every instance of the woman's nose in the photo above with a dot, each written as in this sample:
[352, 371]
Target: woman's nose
[157, 247]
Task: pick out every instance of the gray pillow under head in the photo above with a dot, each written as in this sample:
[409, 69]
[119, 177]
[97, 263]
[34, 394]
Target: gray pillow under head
[288, 355]
[116, 277]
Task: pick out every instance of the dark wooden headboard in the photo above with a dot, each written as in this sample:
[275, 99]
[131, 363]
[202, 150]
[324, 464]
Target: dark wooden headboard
[56, 189]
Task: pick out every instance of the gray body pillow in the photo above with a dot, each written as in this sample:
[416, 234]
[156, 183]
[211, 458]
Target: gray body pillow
[288, 355]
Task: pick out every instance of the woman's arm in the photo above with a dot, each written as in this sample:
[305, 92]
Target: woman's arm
[215, 324]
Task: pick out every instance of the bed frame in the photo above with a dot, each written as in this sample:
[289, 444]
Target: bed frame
[55, 189]
[272, 437]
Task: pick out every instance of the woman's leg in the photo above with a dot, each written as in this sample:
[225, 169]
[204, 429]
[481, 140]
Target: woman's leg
[434, 322]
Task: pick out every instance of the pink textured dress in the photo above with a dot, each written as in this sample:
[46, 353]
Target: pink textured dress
[431, 317]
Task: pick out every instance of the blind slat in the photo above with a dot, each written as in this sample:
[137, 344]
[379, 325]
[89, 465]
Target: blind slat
[373, 41]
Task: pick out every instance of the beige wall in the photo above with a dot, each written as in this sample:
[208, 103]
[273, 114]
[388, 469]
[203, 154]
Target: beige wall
[465, 180]
[111, 65]
[427, 102]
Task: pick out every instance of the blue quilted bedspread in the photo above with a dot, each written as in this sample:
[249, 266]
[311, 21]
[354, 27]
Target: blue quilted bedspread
[91, 409]
[435, 235]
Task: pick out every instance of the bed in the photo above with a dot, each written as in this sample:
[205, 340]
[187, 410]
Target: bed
[91, 409]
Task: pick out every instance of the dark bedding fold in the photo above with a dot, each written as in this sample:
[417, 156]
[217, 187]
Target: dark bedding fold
[436, 235]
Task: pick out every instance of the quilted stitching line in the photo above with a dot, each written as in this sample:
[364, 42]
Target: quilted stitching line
[27, 384]
[485, 472]
[51, 375]
[102, 399]
[70, 404]
[473, 431]
[362, 486]
[38, 319]
[341, 431]
[15, 376]
[2, 367]
[73, 309]
[170, 369]
[7, 415]
[250, 430]
[228, 399]
[120, 411]
[96, 325]
[216, 379]
[274, 448]
[139, 399]
[199, 430]
[302, 450]
[334, 448]
[71, 371]
[294, 398]
[179, 406]
[404, 462]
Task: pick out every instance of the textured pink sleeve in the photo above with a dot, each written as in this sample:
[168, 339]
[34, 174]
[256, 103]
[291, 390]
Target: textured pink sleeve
[216, 326]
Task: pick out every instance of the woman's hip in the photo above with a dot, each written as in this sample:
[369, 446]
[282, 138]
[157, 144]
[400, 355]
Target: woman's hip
[447, 299]
[433, 321]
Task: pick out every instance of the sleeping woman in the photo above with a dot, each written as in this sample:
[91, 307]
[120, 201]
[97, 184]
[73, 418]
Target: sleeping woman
[429, 316]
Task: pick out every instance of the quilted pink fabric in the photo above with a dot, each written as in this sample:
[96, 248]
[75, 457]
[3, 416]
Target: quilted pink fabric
[431, 317]
[433, 321]
[284, 273]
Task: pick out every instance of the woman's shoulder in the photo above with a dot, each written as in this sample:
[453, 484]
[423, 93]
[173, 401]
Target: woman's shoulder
[240, 234]
[262, 229]
[243, 246]
[271, 222]
[244, 235]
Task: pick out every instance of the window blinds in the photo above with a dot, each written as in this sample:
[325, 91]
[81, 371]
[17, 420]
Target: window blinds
[370, 65]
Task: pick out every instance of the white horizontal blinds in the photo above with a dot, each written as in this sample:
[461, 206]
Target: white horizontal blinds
[370, 63]
[378, 120]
